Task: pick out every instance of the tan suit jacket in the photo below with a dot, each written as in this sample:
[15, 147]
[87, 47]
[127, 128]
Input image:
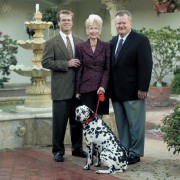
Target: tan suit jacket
[55, 57]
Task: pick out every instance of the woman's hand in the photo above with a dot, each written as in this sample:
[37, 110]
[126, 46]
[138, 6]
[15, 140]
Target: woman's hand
[101, 90]
[78, 96]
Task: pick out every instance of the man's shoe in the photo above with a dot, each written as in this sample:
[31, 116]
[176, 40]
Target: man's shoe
[58, 157]
[133, 159]
[79, 153]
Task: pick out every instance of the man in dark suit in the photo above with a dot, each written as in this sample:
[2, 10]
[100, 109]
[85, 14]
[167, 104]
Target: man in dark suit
[58, 56]
[130, 74]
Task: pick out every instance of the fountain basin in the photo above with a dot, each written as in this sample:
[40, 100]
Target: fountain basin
[31, 44]
[32, 71]
[38, 25]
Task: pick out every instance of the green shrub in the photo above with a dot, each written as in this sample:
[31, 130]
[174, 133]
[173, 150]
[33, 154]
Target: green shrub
[8, 48]
[165, 44]
[176, 81]
[50, 14]
[171, 129]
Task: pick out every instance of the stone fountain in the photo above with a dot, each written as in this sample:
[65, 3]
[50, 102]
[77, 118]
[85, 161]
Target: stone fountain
[38, 92]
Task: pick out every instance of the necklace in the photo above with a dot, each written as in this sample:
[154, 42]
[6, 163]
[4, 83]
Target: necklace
[93, 44]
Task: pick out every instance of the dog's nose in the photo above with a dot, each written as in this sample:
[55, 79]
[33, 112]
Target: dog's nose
[77, 118]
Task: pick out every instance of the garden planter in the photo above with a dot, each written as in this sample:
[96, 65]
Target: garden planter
[159, 96]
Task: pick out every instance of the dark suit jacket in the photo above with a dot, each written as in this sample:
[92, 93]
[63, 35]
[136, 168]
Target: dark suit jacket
[132, 70]
[56, 57]
[94, 70]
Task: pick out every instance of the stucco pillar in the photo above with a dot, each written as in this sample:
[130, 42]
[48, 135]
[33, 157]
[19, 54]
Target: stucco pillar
[113, 6]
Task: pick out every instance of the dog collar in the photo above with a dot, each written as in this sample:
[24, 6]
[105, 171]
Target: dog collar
[90, 119]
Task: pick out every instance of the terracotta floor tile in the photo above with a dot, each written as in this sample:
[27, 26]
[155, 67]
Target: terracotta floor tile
[38, 164]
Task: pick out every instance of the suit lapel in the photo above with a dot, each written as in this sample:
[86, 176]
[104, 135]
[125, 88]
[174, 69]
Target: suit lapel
[113, 43]
[62, 46]
[99, 48]
[87, 48]
[125, 47]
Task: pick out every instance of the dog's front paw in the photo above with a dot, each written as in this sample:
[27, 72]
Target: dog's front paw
[97, 172]
[87, 167]
[104, 172]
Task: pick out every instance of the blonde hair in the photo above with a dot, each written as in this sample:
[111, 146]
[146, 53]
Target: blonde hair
[94, 19]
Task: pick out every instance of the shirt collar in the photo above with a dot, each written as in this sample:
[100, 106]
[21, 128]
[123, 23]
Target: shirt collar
[64, 35]
[124, 38]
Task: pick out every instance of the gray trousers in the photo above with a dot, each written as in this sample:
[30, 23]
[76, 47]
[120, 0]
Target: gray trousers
[130, 120]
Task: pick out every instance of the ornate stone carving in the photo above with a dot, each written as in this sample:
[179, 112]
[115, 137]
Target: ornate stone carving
[21, 131]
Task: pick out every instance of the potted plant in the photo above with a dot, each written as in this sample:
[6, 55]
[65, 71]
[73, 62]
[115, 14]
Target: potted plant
[171, 129]
[8, 48]
[163, 6]
[165, 44]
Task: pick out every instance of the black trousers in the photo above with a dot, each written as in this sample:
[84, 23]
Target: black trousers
[90, 99]
[62, 111]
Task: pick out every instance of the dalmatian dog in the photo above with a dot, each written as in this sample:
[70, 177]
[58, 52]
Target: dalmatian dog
[102, 142]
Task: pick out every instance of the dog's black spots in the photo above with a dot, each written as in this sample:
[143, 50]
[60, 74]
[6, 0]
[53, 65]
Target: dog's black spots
[120, 158]
[113, 158]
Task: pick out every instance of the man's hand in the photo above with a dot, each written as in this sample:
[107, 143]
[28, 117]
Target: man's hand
[74, 63]
[142, 94]
[78, 96]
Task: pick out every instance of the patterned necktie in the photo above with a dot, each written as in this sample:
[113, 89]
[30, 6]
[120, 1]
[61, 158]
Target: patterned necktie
[69, 47]
[119, 48]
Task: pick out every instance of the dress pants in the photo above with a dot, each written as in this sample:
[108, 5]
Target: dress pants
[130, 121]
[90, 99]
[62, 111]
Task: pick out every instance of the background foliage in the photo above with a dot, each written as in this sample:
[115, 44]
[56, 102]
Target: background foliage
[171, 129]
[176, 81]
[165, 44]
[50, 14]
[8, 49]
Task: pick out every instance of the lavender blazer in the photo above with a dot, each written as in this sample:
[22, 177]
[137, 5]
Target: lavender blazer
[94, 70]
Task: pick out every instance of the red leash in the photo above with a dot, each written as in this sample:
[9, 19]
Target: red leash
[101, 98]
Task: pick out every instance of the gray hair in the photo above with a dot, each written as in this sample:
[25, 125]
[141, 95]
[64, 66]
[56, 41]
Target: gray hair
[123, 12]
[94, 19]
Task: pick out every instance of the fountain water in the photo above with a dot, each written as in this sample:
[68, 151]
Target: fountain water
[38, 92]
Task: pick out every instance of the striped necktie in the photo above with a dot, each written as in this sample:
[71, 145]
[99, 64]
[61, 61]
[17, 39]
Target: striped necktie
[120, 43]
[69, 47]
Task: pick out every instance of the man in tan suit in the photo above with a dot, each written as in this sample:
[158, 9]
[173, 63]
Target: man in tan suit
[58, 57]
